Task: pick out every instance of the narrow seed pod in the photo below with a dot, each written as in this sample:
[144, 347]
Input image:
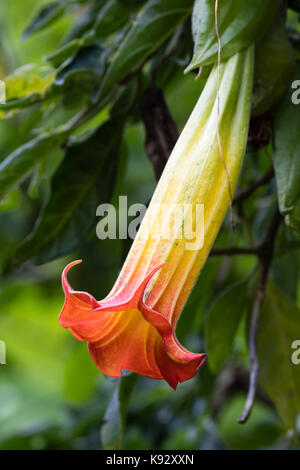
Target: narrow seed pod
[133, 328]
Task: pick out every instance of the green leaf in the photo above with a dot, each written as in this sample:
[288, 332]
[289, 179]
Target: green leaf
[155, 22]
[10, 201]
[40, 185]
[18, 104]
[223, 320]
[286, 142]
[85, 69]
[240, 23]
[114, 420]
[28, 79]
[287, 241]
[112, 17]
[65, 52]
[85, 21]
[278, 328]
[285, 273]
[20, 162]
[26, 86]
[262, 431]
[46, 16]
[84, 180]
[274, 67]
[194, 310]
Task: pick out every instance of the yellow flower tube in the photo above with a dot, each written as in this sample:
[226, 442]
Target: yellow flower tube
[133, 328]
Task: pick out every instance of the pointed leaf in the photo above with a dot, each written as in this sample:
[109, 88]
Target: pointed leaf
[114, 420]
[274, 68]
[278, 328]
[85, 68]
[84, 180]
[223, 321]
[26, 86]
[155, 22]
[28, 79]
[240, 23]
[47, 15]
[20, 162]
[65, 52]
[286, 135]
[112, 17]
[10, 201]
[86, 20]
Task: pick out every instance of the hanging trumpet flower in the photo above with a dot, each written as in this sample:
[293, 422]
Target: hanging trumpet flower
[133, 328]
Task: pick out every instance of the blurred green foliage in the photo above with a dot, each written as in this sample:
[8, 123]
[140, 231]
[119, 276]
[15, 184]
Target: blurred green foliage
[51, 394]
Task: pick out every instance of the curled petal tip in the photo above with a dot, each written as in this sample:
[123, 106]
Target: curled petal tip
[72, 263]
[77, 305]
[202, 360]
[65, 284]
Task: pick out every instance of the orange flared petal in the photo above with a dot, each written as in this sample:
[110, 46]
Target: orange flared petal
[124, 333]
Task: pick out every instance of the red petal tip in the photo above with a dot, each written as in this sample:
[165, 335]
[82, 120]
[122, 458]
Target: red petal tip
[64, 280]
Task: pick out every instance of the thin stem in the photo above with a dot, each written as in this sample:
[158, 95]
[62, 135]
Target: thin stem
[234, 250]
[265, 254]
[218, 111]
[253, 355]
[262, 251]
[254, 185]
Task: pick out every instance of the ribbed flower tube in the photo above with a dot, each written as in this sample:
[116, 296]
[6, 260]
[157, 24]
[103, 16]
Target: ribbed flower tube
[133, 328]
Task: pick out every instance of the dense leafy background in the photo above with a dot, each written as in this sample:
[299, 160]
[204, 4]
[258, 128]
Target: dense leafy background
[72, 137]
